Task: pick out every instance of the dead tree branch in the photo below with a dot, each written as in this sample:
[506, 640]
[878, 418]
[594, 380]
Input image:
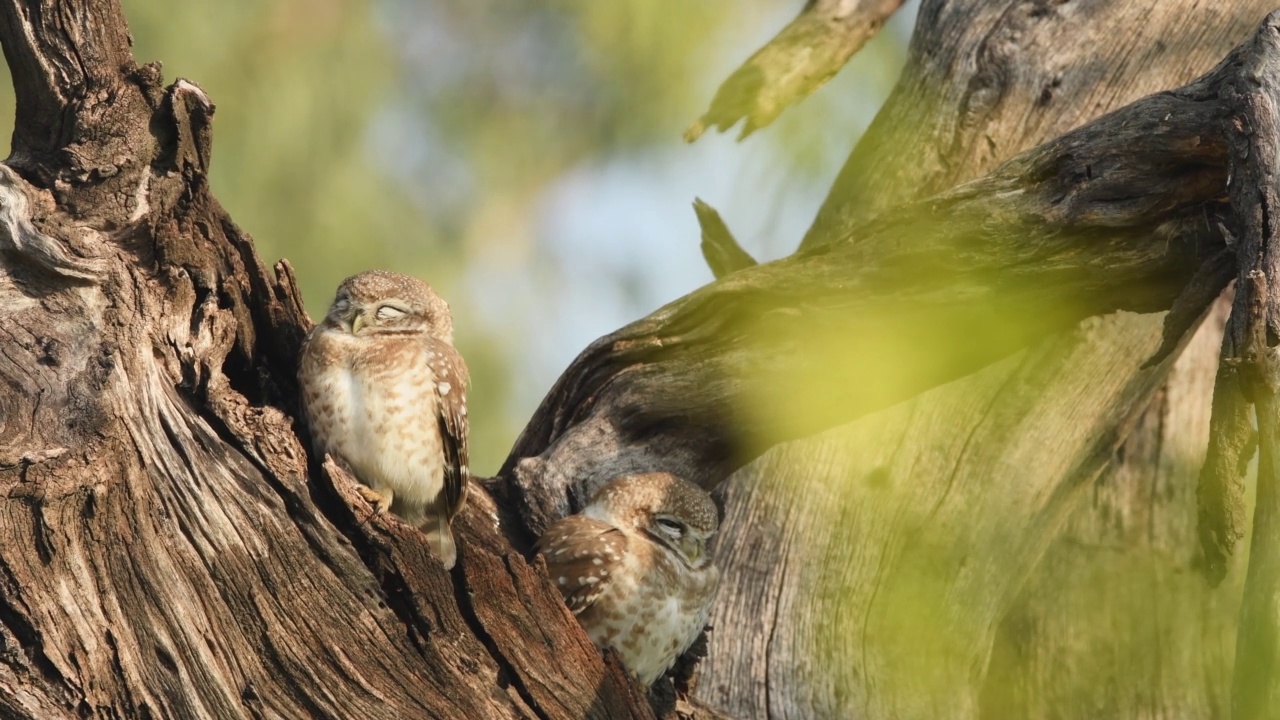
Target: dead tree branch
[719, 248]
[1120, 214]
[164, 549]
[807, 53]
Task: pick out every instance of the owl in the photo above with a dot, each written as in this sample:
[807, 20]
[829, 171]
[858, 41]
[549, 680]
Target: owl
[633, 567]
[384, 390]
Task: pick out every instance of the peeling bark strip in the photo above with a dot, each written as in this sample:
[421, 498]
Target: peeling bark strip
[807, 53]
[1120, 214]
[1251, 358]
[1220, 492]
[164, 552]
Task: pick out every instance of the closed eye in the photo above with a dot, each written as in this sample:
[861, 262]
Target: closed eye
[389, 312]
[670, 527]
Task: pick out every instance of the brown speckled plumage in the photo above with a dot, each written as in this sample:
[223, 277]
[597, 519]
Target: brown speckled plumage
[633, 568]
[384, 390]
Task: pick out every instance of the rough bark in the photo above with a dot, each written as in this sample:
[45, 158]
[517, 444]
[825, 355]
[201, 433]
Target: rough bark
[1116, 620]
[164, 551]
[167, 550]
[1123, 213]
[984, 80]
[1178, 638]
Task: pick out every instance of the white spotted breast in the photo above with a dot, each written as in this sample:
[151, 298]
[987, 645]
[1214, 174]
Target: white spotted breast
[374, 405]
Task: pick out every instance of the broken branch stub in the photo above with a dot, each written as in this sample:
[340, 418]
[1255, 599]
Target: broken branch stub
[719, 248]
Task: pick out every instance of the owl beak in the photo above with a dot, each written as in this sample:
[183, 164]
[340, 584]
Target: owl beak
[359, 318]
[692, 550]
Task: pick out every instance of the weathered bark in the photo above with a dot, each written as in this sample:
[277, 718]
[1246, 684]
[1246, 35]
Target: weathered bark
[984, 80]
[1175, 638]
[1117, 621]
[1124, 213]
[162, 550]
[167, 550]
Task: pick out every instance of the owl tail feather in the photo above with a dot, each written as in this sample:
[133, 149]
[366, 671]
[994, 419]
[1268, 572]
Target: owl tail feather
[440, 537]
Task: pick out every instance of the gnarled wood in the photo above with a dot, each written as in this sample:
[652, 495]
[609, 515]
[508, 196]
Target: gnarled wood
[1119, 214]
[1250, 359]
[970, 452]
[167, 549]
[982, 80]
[164, 550]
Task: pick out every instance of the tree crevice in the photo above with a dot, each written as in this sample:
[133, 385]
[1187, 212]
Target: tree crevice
[167, 352]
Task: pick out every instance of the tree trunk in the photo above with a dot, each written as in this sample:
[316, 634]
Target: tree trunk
[167, 549]
[1076, 643]
[932, 518]
[163, 552]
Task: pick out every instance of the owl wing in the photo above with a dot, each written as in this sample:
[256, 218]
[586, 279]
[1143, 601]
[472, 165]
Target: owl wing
[582, 555]
[451, 409]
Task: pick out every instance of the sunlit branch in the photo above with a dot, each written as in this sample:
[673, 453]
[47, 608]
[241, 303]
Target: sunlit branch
[1120, 214]
[808, 52]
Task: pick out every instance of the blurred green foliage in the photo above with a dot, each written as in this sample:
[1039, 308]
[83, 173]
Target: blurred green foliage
[425, 137]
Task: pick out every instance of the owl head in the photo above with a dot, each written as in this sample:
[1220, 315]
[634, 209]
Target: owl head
[673, 513]
[378, 302]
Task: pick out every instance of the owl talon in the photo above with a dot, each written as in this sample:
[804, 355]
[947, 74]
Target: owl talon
[381, 501]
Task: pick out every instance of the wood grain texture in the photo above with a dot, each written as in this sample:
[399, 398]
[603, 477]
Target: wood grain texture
[982, 80]
[167, 548]
[1120, 213]
[897, 562]
[1117, 614]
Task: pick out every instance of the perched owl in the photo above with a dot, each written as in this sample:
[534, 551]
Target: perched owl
[633, 567]
[384, 390]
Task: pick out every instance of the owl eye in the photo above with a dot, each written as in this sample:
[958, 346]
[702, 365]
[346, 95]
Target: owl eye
[670, 527]
[389, 312]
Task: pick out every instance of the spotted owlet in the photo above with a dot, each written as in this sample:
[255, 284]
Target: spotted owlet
[633, 567]
[384, 390]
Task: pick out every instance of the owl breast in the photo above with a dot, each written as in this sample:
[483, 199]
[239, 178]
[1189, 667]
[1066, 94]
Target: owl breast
[372, 402]
[653, 610]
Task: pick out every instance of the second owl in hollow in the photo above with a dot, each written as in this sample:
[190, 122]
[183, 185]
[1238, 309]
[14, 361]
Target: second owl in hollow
[633, 567]
[384, 390]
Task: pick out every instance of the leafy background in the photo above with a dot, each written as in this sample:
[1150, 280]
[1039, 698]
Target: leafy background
[524, 158]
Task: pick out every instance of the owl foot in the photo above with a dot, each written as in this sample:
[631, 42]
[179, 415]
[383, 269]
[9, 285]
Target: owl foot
[381, 501]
